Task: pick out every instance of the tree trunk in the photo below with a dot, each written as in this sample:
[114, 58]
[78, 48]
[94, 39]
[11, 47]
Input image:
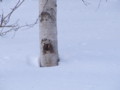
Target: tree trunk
[48, 34]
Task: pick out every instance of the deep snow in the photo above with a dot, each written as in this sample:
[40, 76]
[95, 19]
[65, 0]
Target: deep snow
[89, 48]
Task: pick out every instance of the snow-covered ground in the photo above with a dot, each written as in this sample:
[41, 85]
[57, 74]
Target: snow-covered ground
[89, 48]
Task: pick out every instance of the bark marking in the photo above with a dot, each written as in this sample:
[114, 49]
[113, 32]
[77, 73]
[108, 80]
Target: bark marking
[47, 15]
[47, 46]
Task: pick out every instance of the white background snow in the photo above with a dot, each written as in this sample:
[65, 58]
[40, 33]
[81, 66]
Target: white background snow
[89, 48]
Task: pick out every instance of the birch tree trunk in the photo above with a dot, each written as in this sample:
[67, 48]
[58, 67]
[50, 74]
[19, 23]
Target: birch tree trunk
[48, 33]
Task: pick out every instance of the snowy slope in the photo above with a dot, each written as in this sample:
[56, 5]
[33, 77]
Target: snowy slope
[89, 48]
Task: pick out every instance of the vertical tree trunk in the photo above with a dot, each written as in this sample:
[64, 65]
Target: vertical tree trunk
[48, 33]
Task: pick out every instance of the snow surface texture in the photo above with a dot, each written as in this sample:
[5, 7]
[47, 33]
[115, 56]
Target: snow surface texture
[89, 48]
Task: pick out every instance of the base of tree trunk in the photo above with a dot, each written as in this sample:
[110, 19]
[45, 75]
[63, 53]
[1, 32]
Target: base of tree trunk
[48, 64]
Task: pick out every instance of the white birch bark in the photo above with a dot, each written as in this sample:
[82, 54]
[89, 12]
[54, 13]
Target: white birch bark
[48, 33]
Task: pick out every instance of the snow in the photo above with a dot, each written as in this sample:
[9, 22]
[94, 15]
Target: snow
[89, 48]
